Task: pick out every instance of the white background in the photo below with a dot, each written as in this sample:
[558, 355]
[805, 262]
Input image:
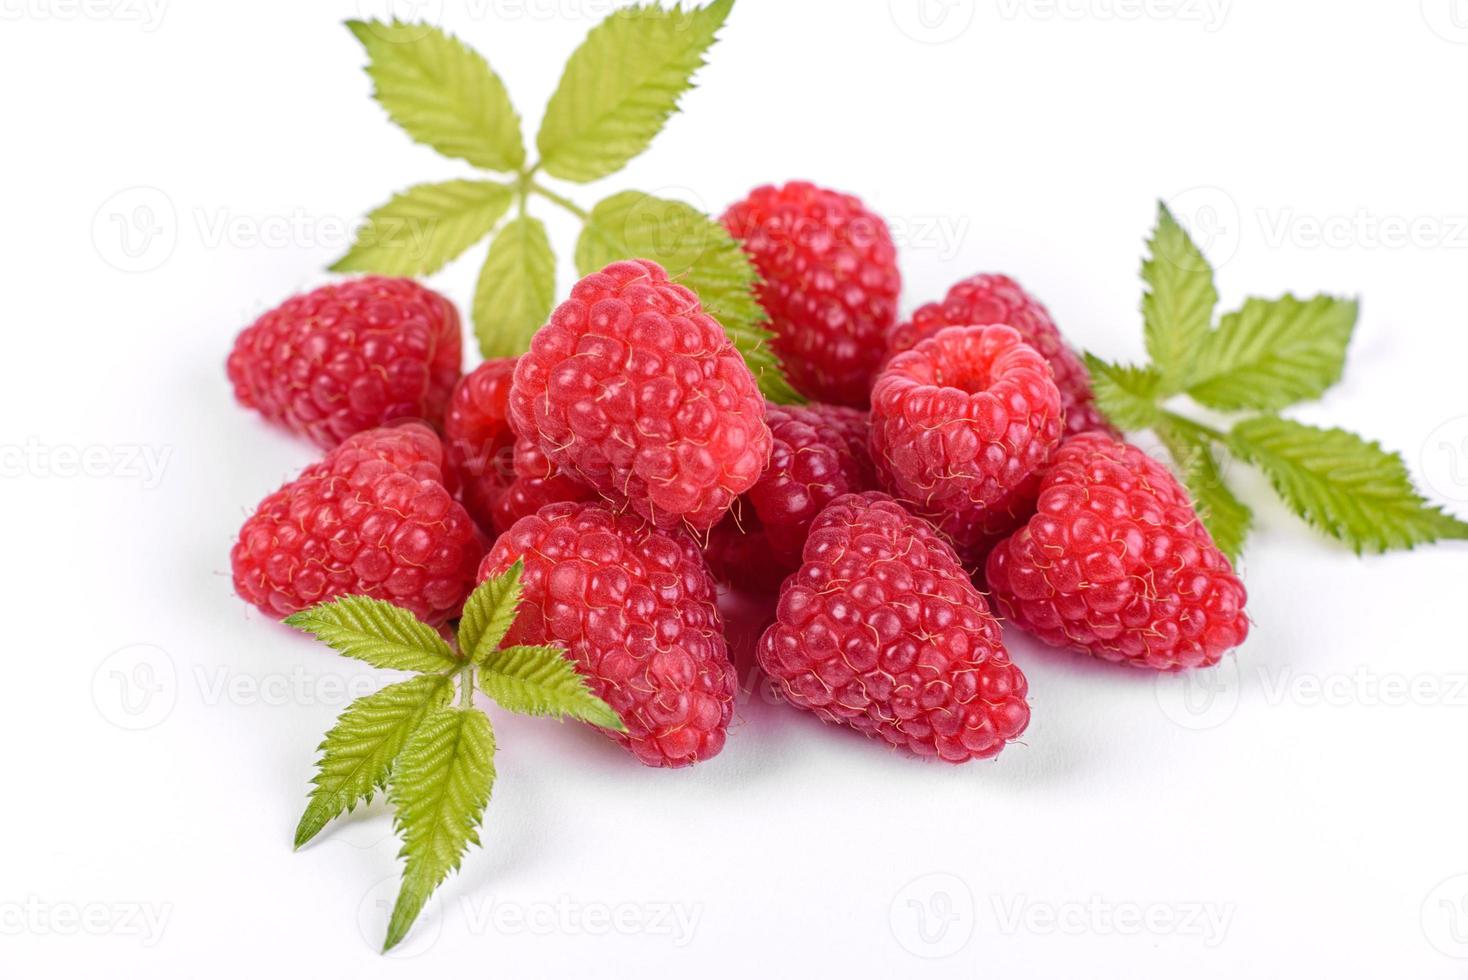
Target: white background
[1298, 812]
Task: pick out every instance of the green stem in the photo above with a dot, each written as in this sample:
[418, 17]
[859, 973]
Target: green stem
[555, 198]
[466, 687]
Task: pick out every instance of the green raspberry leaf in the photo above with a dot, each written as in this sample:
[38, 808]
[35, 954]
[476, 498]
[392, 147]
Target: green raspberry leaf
[621, 85]
[489, 613]
[421, 229]
[516, 288]
[541, 680]
[698, 252]
[1348, 487]
[358, 752]
[380, 633]
[1227, 518]
[1127, 395]
[440, 786]
[1177, 307]
[1273, 353]
[442, 93]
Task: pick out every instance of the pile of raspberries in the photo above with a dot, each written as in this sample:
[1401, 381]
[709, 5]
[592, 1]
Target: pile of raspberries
[947, 469]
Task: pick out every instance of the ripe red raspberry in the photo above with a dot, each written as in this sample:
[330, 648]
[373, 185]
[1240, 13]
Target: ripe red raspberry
[536, 484]
[634, 389]
[478, 440]
[634, 605]
[349, 357]
[820, 452]
[830, 284]
[1116, 563]
[882, 630]
[738, 554]
[371, 518]
[988, 298]
[959, 425]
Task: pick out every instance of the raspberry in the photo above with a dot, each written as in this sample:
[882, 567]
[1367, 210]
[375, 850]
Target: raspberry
[349, 357]
[819, 453]
[738, 553]
[478, 440]
[536, 484]
[372, 518]
[882, 630]
[1116, 563]
[988, 298]
[635, 390]
[830, 284]
[959, 425]
[634, 606]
